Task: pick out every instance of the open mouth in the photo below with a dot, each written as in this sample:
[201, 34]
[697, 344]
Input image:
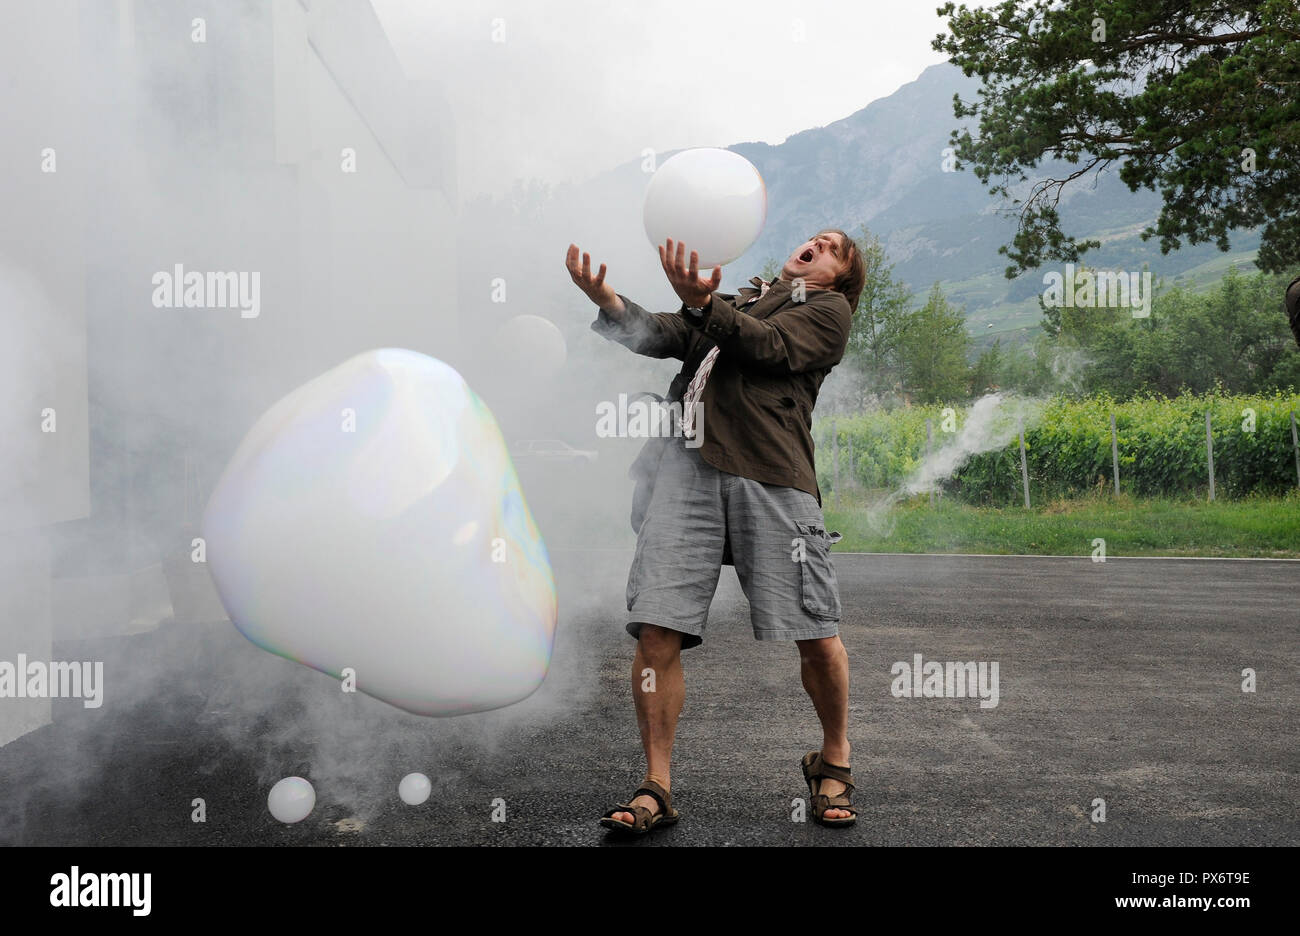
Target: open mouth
[806, 256]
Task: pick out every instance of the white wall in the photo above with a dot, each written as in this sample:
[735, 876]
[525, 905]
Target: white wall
[44, 476]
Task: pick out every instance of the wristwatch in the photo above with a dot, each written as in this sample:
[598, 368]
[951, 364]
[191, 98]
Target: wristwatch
[696, 313]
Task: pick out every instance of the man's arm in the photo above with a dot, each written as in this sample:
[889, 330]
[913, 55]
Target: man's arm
[622, 320]
[660, 335]
[812, 336]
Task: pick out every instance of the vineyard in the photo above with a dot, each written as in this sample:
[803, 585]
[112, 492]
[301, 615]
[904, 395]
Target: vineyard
[1160, 442]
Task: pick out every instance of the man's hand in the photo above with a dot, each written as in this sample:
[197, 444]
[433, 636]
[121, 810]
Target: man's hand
[685, 280]
[595, 287]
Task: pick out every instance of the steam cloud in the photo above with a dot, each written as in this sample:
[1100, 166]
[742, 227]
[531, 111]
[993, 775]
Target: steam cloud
[992, 422]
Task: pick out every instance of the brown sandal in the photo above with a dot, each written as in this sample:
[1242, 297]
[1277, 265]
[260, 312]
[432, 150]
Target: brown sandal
[644, 819]
[814, 771]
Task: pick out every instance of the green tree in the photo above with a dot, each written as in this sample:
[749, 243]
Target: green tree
[986, 373]
[1231, 337]
[1030, 370]
[932, 346]
[1076, 324]
[1198, 99]
[873, 340]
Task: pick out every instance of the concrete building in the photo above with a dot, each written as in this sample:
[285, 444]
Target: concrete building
[277, 139]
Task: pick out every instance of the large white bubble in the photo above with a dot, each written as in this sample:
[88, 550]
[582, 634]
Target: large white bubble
[371, 524]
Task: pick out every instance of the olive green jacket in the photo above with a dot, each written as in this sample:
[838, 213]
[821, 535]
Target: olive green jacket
[775, 351]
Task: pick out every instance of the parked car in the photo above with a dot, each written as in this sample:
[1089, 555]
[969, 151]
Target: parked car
[551, 450]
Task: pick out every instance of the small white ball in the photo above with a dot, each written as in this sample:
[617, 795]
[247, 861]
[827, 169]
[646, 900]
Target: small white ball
[414, 789]
[291, 800]
[713, 200]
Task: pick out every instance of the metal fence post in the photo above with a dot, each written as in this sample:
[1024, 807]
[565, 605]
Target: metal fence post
[1209, 452]
[1114, 452]
[835, 461]
[929, 437]
[1024, 466]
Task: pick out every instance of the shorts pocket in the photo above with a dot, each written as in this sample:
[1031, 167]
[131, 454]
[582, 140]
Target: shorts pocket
[819, 591]
[634, 574]
[633, 583]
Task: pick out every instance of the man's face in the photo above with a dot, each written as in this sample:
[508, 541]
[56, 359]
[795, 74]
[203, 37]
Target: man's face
[818, 260]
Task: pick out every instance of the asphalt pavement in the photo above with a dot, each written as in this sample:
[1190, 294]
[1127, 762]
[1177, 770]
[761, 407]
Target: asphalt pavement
[1118, 682]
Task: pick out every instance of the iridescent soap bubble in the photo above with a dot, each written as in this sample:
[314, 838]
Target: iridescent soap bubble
[372, 520]
[712, 200]
[414, 789]
[291, 799]
[529, 346]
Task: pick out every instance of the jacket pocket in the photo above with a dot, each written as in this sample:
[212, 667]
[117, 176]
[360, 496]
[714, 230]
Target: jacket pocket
[769, 425]
[819, 590]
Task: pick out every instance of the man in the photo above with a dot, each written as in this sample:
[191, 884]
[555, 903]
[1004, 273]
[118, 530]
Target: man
[739, 486]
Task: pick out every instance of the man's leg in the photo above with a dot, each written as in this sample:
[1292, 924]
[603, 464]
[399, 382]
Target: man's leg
[824, 669]
[783, 561]
[659, 650]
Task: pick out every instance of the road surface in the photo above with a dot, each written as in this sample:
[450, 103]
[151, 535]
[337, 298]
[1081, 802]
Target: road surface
[1118, 681]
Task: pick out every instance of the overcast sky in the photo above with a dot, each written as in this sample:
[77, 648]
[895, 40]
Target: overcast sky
[579, 86]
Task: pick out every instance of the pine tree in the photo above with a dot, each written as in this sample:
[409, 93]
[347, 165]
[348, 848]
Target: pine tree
[932, 344]
[1196, 99]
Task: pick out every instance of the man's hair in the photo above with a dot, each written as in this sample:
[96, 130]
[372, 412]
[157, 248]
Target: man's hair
[854, 275]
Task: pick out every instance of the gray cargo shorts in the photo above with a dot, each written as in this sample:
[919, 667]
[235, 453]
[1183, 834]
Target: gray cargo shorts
[778, 543]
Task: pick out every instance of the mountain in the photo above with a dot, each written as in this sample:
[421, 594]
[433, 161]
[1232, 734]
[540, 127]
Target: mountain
[881, 167]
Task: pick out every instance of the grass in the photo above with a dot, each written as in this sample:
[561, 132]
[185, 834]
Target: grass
[1254, 527]
[1205, 276]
